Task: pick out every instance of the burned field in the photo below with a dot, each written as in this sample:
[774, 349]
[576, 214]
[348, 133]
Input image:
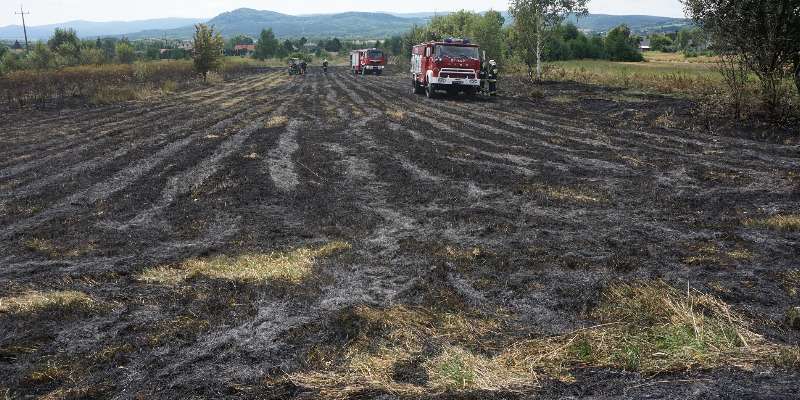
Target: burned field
[336, 237]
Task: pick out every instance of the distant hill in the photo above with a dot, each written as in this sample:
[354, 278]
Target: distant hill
[250, 22]
[349, 25]
[601, 23]
[88, 29]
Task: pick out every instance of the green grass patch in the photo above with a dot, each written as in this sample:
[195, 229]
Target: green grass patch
[645, 327]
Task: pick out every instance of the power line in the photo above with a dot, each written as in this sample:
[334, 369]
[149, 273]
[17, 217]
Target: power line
[24, 27]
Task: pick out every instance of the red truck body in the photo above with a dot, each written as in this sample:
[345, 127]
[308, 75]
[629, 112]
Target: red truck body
[367, 61]
[453, 65]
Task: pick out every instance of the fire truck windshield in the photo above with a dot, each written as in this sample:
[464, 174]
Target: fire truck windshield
[374, 54]
[457, 52]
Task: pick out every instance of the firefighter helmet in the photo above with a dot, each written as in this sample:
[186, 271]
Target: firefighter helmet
[492, 62]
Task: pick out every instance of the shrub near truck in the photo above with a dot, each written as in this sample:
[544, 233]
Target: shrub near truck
[453, 65]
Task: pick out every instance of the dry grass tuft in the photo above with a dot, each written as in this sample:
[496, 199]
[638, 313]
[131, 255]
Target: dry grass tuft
[41, 246]
[50, 371]
[118, 94]
[566, 194]
[34, 302]
[396, 115]
[51, 250]
[290, 266]
[709, 253]
[647, 327]
[277, 121]
[666, 120]
[562, 99]
[383, 347]
[181, 327]
[788, 222]
[460, 254]
[791, 282]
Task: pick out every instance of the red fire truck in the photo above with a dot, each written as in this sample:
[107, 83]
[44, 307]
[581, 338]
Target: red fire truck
[452, 65]
[366, 61]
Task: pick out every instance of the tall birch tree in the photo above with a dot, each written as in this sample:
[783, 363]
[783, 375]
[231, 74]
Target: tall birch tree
[533, 21]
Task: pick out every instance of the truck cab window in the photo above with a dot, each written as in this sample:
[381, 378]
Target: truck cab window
[457, 52]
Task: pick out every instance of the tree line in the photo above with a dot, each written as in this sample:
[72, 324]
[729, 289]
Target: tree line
[531, 39]
[65, 49]
[754, 38]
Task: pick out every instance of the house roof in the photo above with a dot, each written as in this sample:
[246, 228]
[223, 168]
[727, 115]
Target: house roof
[248, 47]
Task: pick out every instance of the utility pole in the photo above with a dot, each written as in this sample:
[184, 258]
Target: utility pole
[24, 28]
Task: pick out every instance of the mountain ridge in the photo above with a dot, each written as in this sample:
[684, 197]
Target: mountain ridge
[346, 25]
[90, 29]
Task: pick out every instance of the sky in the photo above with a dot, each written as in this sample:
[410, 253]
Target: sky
[45, 12]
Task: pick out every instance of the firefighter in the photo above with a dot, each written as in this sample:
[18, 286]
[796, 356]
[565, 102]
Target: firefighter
[482, 77]
[303, 67]
[491, 77]
[325, 65]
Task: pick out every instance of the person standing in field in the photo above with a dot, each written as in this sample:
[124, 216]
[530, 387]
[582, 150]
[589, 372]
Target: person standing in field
[491, 76]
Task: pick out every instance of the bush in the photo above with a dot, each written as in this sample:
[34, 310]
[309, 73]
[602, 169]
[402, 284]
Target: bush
[40, 57]
[621, 46]
[19, 87]
[125, 53]
[39, 86]
[93, 57]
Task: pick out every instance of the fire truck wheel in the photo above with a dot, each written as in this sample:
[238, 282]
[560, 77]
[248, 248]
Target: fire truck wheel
[430, 90]
[417, 87]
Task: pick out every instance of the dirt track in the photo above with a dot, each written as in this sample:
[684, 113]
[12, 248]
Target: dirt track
[549, 202]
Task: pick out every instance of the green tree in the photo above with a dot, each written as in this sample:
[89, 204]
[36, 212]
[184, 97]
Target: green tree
[288, 46]
[267, 45]
[124, 52]
[661, 43]
[63, 36]
[488, 32]
[394, 45]
[93, 56]
[208, 48]
[621, 46]
[457, 24]
[240, 39]
[66, 45]
[417, 35]
[690, 40]
[109, 46]
[40, 57]
[534, 20]
[765, 34]
[9, 62]
[334, 45]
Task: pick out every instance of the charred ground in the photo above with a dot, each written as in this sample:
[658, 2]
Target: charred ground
[285, 237]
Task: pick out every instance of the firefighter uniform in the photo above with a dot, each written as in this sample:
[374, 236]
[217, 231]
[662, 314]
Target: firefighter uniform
[482, 77]
[491, 77]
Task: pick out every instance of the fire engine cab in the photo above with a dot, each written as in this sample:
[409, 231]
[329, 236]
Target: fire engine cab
[367, 61]
[453, 65]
